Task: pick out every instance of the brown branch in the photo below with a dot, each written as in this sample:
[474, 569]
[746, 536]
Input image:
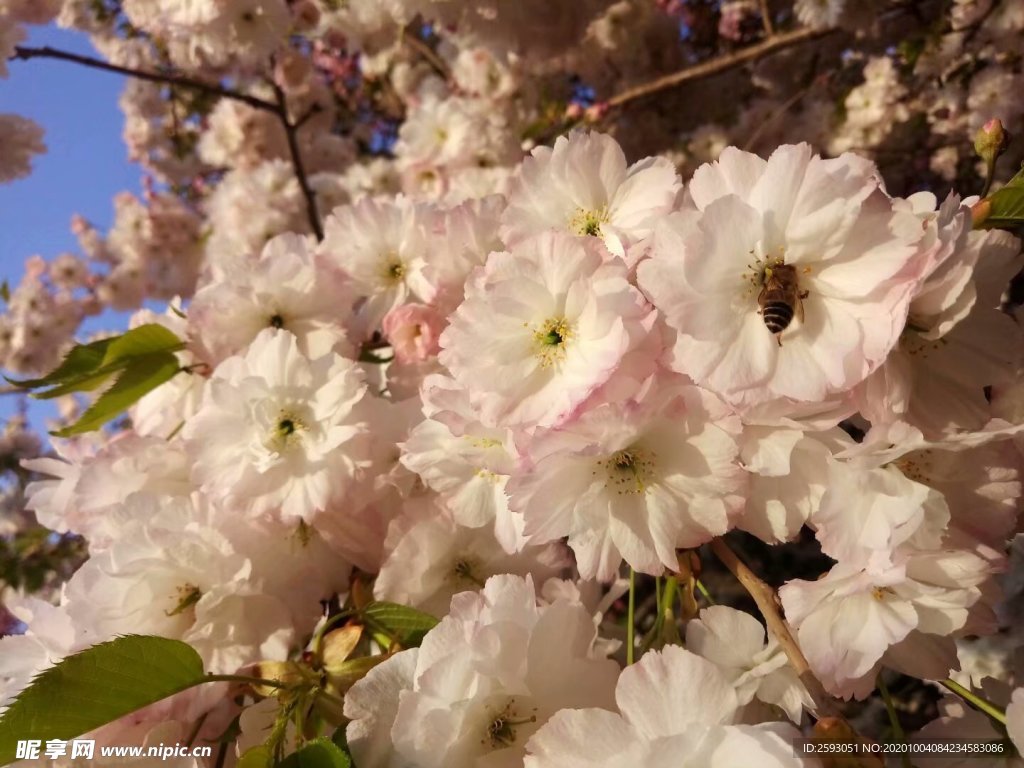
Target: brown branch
[280, 108]
[768, 604]
[291, 130]
[766, 18]
[25, 53]
[719, 64]
[420, 46]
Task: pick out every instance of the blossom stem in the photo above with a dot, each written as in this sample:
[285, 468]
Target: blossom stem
[243, 679]
[894, 719]
[704, 591]
[977, 701]
[768, 604]
[630, 617]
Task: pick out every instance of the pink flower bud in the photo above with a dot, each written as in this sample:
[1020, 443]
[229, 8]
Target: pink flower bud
[990, 141]
[596, 111]
[413, 331]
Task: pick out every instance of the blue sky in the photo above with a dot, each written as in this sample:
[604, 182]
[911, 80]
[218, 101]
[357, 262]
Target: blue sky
[85, 166]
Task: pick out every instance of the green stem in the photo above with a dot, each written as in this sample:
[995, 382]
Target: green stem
[704, 591]
[894, 720]
[243, 679]
[968, 695]
[630, 630]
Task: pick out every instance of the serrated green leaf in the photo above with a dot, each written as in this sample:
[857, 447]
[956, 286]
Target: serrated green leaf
[97, 686]
[142, 375]
[399, 622]
[1007, 205]
[143, 340]
[88, 366]
[83, 359]
[318, 753]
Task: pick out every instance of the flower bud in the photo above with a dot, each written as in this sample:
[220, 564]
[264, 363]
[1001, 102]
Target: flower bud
[990, 141]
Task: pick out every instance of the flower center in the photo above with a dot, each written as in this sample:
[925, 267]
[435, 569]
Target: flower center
[286, 432]
[585, 222]
[915, 345]
[550, 339]
[628, 471]
[393, 271]
[187, 596]
[882, 593]
[916, 466]
[759, 268]
[465, 569]
[276, 321]
[501, 732]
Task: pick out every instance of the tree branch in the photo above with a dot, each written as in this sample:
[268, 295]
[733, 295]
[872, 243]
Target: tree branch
[718, 64]
[421, 47]
[768, 604]
[25, 53]
[291, 130]
[280, 108]
[766, 19]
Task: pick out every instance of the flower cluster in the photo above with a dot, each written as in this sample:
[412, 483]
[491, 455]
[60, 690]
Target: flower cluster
[599, 369]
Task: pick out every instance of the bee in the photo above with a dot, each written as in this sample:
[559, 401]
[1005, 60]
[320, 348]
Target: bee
[781, 298]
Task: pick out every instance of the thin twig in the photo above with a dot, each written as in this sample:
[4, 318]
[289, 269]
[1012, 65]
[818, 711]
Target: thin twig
[766, 19]
[768, 604]
[280, 108]
[719, 64]
[315, 109]
[291, 129]
[421, 47]
[25, 53]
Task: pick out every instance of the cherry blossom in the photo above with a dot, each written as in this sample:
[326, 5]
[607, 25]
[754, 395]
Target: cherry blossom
[541, 328]
[285, 413]
[495, 669]
[847, 251]
[675, 708]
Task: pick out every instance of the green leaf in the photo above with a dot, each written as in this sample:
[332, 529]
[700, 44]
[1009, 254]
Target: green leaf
[1007, 211]
[97, 686]
[398, 622]
[5, 291]
[82, 360]
[318, 753]
[259, 756]
[143, 340]
[142, 375]
[88, 366]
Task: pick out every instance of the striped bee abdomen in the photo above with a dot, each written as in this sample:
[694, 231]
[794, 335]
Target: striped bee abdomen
[777, 316]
